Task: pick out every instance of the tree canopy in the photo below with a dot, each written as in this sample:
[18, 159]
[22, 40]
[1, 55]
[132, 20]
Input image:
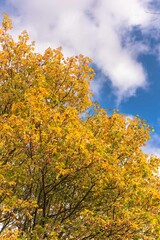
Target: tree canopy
[64, 176]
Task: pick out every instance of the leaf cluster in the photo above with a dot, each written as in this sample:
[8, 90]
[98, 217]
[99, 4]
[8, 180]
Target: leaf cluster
[63, 176]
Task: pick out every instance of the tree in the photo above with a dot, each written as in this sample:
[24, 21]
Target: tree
[64, 176]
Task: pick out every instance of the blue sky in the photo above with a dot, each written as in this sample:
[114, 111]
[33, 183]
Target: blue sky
[121, 36]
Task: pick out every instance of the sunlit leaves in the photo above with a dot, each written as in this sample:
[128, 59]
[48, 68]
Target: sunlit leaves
[64, 176]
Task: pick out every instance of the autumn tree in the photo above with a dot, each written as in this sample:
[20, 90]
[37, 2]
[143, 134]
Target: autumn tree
[64, 176]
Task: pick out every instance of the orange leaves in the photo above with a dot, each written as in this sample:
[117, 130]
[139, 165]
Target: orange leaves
[6, 23]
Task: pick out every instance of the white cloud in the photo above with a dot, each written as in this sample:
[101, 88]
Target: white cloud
[153, 145]
[94, 28]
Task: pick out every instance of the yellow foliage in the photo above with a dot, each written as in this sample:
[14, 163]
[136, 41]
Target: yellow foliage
[64, 176]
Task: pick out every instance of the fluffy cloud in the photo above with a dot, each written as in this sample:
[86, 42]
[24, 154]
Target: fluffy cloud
[96, 28]
[153, 145]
